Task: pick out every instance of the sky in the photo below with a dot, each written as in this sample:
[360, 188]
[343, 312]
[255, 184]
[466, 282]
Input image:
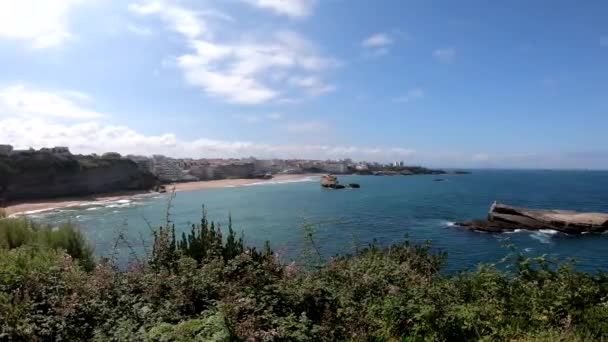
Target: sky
[475, 84]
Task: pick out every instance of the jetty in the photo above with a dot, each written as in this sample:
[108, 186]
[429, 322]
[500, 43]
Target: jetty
[505, 218]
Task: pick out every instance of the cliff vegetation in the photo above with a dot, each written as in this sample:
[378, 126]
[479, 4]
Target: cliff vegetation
[207, 285]
[43, 174]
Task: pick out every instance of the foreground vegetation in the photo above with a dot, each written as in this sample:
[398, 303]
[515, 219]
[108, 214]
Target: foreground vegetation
[203, 287]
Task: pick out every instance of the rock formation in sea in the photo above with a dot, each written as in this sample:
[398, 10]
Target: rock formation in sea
[48, 173]
[504, 218]
[329, 181]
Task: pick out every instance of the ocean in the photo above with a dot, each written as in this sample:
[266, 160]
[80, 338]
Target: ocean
[386, 209]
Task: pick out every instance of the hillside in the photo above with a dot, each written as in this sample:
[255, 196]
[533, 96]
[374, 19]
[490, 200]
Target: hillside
[40, 174]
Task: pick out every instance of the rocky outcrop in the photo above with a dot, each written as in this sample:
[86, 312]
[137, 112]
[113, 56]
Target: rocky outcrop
[329, 181]
[32, 174]
[504, 218]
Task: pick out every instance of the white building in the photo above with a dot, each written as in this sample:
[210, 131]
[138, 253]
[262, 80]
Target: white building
[361, 167]
[166, 169]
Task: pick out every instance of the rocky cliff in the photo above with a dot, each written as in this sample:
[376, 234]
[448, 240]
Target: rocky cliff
[41, 174]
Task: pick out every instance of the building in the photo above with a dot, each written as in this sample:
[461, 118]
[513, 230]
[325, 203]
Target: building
[203, 171]
[6, 150]
[234, 170]
[166, 169]
[361, 167]
[143, 163]
[337, 167]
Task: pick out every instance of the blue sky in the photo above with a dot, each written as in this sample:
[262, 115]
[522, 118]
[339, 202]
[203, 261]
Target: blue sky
[520, 84]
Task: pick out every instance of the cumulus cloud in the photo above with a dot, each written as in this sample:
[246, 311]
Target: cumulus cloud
[411, 95]
[181, 20]
[291, 8]
[312, 85]
[445, 55]
[24, 101]
[244, 71]
[377, 44]
[377, 40]
[93, 137]
[139, 30]
[37, 118]
[42, 23]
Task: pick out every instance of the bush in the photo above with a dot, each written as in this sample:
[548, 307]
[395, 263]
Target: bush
[203, 287]
[15, 233]
[40, 296]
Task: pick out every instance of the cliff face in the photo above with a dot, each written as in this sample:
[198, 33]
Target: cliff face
[35, 175]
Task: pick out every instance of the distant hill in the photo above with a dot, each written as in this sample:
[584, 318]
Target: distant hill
[49, 173]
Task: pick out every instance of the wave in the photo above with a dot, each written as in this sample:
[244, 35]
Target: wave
[514, 231]
[286, 181]
[33, 212]
[448, 223]
[548, 231]
[544, 235]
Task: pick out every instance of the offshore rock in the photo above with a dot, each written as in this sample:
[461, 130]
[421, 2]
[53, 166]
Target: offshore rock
[329, 181]
[504, 218]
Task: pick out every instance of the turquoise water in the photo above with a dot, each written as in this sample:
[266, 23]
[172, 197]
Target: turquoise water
[385, 208]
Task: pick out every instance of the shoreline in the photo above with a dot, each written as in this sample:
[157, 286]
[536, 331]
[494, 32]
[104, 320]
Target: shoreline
[21, 208]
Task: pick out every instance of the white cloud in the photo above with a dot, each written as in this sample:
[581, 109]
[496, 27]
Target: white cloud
[377, 45]
[91, 137]
[306, 127]
[248, 118]
[481, 157]
[604, 41]
[28, 102]
[377, 40]
[181, 20]
[412, 94]
[240, 71]
[312, 84]
[43, 23]
[291, 8]
[243, 71]
[445, 55]
[274, 116]
[253, 118]
[139, 30]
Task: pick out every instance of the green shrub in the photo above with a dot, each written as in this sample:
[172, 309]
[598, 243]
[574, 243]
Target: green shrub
[211, 328]
[207, 288]
[19, 232]
[40, 296]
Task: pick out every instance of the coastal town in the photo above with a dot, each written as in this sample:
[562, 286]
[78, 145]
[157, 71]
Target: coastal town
[171, 170]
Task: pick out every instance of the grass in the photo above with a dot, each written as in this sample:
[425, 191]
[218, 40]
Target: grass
[18, 232]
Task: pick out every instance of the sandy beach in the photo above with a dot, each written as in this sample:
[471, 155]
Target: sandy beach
[57, 203]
